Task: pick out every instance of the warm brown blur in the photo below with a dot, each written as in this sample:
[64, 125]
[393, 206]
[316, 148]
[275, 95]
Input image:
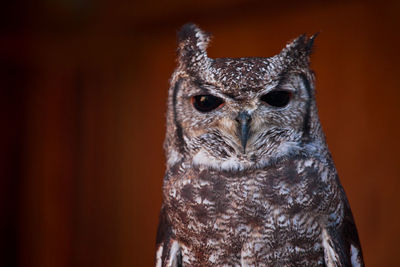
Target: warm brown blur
[83, 92]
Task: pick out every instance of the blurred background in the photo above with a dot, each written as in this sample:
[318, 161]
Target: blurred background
[83, 97]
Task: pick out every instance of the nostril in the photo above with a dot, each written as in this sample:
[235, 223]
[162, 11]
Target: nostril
[243, 117]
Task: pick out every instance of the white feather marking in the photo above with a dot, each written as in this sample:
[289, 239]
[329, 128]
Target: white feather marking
[213, 258]
[172, 193]
[231, 164]
[158, 256]
[300, 167]
[198, 200]
[308, 163]
[287, 147]
[245, 253]
[258, 247]
[202, 43]
[199, 57]
[202, 158]
[203, 183]
[173, 255]
[355, 262]
[331, 257]
[324, 175]
[173, 158]
[207, 202]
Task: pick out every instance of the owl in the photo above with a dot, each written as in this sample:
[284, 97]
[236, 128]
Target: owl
[249, 178]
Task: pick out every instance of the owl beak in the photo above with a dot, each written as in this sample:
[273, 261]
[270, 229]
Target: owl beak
[244, 120]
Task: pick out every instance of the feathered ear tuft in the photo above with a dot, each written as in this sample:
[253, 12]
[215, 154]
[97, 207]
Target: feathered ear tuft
[192, 35]
[192, 44]
[310, 43]
[300, 49]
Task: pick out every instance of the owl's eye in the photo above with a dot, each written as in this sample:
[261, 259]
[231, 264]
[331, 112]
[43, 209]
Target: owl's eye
[277, 98]
[206, 103]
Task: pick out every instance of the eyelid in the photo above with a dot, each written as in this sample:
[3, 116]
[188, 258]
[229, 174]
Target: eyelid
[209, 89]
[216, 94]
[284, 87]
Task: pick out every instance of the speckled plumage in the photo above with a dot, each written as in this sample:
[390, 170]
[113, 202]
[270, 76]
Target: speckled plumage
[275, 201]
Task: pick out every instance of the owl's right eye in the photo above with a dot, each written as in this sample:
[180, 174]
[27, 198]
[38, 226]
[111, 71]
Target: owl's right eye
[206, 103]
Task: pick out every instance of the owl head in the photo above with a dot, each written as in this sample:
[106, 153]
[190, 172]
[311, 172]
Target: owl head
[240, 113]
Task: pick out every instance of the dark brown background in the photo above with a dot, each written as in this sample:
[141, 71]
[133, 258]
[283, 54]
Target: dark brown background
[83, 92]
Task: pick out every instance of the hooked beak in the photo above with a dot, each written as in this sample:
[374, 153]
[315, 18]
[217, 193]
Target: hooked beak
[244, 120]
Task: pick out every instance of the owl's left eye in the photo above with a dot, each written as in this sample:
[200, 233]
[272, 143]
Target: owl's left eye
[206, 103]
[277, 98]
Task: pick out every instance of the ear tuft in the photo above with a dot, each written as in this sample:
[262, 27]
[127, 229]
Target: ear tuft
[192, 44]
[300, 49]
[193, 35]
[310, 43]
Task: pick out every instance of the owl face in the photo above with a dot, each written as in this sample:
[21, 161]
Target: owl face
[233, 114]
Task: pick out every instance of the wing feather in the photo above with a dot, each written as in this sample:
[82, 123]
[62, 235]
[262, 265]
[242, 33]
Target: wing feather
[167, 248]
[342, 245]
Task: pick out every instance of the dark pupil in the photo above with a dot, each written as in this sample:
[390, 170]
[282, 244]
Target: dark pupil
[205, 103]
[277, 99]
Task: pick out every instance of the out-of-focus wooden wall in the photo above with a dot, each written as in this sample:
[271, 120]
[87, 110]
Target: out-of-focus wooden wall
[83, 91]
